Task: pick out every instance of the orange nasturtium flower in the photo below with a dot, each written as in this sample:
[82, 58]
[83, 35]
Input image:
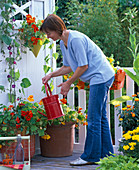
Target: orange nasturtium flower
[134, 95]
[79, 110]
[64, 101]
[117, 105]
[133, 115]
[35, 27]
[76, 125]
[40, 103]
[30, 98]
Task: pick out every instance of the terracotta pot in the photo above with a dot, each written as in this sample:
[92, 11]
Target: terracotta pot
[61, 142]
[10, 147]
[119, 80]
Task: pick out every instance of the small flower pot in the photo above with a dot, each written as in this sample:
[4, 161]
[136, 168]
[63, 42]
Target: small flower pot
[119, 80]
[61, 142]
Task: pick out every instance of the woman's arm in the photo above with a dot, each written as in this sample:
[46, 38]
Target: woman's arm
[65, 87]
[62, 71]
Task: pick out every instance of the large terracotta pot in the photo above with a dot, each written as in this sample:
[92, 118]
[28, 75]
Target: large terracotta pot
[61, 142]
[119, 80]
[10, 147]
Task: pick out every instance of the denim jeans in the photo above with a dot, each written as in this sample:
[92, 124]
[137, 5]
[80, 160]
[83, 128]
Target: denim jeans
[98, 142]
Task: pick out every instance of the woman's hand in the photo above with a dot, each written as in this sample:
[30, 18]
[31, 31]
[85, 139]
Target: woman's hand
[46, 78]
[65, 87]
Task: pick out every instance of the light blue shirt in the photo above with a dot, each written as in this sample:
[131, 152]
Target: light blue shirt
[80, 51]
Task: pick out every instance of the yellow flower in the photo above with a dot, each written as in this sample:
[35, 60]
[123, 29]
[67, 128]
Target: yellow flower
[125, 147]
[30, 98]
[121, 119]
[65, 77]
[136, 99]
[46, 137]
[126, 136]
[128, 106]
[63, 123]
[0, 146]
[132, 144]
[135, 137]
[132, 148]
[111, 60]
[124, 108]
[40, 42]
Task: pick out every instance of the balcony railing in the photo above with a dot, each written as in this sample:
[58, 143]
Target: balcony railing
[82, 103]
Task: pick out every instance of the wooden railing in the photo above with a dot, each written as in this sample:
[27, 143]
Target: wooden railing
[82, 103]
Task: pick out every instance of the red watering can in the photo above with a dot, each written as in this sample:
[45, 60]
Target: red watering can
[51, 104]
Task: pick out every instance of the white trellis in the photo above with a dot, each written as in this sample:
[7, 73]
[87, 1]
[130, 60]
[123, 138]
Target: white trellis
[29, 66]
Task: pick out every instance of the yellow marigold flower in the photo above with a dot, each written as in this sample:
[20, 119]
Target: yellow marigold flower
[46, 137]
[70, 77]
[0, 146]
[125, 147]
[136, 99]
[121, 119]
[135, 137]
[124, 108]
[127, 136]
[132, 143]
[128, 106]
[63, 123]
[30, 98]
[132, 148]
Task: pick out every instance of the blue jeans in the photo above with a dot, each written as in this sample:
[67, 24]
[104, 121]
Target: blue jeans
[98, 142]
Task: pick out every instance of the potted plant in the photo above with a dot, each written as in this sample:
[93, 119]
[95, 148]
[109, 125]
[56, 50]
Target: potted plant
[58, 141]
[129, 144]
[30, 33]
[129, 115]
[21, 119]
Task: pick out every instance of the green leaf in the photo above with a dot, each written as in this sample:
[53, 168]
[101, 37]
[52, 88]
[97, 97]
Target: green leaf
[51, 46]
[16, 43]
[55, 55]
[132, 76]
[46, 68]
[17, 75]
[2, 88]
[4, 128]
[25, 83]
[7, 6]
[7, 40]
[33, 128]
[41, 132]
[46, 41]
[120, 100]
[11, 97]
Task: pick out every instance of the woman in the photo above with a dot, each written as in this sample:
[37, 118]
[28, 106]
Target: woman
[82, 56]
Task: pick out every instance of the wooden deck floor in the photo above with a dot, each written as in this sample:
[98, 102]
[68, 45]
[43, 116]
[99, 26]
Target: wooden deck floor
[40, 162]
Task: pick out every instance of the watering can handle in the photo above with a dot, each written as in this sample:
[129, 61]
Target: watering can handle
[47, 85]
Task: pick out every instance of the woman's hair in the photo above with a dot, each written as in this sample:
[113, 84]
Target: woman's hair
[53, 23]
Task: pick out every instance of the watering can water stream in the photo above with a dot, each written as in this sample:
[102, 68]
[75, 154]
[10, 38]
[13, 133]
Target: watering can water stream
[51, 104]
